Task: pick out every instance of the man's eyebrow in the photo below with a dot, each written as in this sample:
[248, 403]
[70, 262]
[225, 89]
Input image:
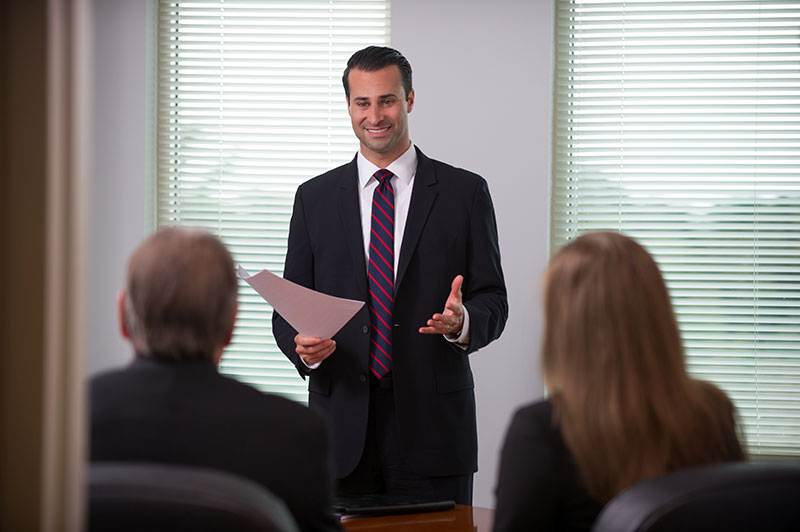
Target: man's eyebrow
[381, 97]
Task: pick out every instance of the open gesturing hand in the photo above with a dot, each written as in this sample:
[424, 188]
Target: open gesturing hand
[451, 319]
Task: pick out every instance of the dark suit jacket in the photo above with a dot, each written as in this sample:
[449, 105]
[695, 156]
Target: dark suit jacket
[450, 230]
[187, 413]
[538, 486]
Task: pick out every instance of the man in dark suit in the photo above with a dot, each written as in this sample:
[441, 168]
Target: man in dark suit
[395, 383]
[171, 405]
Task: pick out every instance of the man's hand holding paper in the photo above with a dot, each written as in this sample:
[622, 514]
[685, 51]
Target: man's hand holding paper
[313, 350]
[316, 316]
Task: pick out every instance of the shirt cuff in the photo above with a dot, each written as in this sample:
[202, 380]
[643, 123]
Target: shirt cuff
[312, 366]
[462, 340]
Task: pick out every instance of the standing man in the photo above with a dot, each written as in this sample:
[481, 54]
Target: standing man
[417, 240]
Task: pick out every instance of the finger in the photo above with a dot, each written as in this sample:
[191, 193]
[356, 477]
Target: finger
[455, 287]
[437, 327]
[433, 330]
[318, 356]
[453, 306]
[449, 321]
[307, 341]
[315, 348]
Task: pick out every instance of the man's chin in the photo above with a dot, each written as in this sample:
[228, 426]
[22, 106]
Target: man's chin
[378, 147]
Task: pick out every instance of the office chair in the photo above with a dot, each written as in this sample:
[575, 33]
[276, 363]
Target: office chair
[154, 497]
[735, 496]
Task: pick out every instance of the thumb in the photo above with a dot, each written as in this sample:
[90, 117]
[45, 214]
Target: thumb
[455, 288]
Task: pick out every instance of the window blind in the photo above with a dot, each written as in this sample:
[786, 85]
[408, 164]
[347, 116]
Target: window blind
[249, 105]
[678, 123]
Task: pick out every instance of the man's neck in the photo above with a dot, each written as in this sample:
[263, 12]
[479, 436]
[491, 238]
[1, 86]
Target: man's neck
[382, 160]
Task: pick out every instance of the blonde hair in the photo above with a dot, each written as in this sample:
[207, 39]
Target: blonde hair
[614, 364]
[181, 294]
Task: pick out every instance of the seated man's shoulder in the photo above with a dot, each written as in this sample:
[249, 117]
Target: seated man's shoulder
[112, 381]
[269, 402]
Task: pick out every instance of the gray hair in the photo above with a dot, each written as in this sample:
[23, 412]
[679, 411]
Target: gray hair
[181, 294]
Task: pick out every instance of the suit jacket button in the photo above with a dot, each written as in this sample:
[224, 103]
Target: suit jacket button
[362, 378]
[365, 329]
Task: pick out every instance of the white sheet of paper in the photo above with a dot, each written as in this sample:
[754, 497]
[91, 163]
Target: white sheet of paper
[311, 313]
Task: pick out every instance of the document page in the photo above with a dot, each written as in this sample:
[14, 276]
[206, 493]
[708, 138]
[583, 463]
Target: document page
[311, 313]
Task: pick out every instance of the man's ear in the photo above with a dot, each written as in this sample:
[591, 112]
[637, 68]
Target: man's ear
[217, 356]
[233, 325]
[123, 328]
[410, 101]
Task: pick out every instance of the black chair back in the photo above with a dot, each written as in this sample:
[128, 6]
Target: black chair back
[155, 497]
[733, 497]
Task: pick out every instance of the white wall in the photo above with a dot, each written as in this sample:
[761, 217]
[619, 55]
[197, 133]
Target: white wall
[120, 158]
[482, 79]
[482, 74]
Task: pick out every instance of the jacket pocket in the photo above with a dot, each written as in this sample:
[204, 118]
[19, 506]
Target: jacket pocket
[454, 383]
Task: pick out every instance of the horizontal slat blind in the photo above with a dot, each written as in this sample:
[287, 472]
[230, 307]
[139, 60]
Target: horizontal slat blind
[250, 105]
[678, 123]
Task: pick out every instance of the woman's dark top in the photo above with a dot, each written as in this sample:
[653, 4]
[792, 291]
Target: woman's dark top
[538, 486]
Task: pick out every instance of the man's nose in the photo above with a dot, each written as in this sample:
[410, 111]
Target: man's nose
[374, 115]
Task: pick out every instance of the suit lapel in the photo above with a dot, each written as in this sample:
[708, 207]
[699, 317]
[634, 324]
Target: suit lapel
[423, 196]
[350, 211]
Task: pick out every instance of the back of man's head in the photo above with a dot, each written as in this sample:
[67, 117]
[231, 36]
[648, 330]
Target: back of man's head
[180, 297]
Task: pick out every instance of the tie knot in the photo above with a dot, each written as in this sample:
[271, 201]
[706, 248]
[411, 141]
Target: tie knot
[383, 176]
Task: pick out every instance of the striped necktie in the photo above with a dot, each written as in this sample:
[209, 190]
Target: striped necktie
[381, 275]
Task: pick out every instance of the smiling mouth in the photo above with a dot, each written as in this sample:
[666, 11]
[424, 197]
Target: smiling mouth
[377, 130]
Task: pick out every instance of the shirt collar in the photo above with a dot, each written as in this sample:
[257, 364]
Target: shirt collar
[404, 167]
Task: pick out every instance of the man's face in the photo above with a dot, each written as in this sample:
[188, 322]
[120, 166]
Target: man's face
[379, 110]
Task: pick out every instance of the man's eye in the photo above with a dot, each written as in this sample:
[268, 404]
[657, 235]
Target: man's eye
[388, 102]
[361, 104]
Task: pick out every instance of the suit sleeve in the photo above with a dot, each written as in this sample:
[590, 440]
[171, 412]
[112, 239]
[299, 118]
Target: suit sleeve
[298, 268]
[484, 292]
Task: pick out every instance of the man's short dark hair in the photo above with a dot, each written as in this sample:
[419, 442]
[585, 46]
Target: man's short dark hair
[373, 58]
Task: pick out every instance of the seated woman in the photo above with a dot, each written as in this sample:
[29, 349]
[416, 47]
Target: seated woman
[622, 407]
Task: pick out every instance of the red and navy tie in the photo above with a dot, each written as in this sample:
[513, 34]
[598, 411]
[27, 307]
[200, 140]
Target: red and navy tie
[381, 275]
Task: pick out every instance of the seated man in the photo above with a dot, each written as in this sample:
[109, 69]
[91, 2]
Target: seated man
[171, 405]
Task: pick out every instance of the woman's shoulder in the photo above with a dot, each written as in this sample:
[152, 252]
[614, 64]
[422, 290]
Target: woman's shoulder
[535, 423]
[536, 466]
[538, 414]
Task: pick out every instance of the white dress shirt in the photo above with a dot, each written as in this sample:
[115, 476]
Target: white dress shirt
[404, 169]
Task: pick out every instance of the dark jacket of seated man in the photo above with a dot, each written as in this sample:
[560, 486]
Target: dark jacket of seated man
[171, 405]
